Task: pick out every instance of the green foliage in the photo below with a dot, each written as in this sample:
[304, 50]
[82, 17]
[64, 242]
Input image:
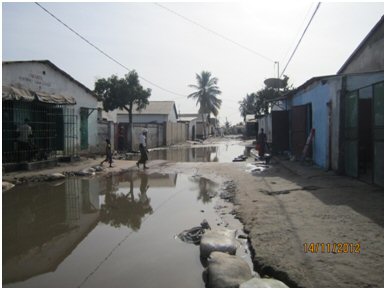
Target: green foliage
[206, 94]
[122, 93]
[260, 102]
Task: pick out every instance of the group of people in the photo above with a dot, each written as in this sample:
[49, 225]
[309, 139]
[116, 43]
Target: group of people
[142, 148]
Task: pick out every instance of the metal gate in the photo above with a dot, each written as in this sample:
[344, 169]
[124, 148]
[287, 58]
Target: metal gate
[353, 155]
[53, 129]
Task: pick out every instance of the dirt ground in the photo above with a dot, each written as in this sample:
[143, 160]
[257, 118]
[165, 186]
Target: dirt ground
[289, 205]
[286, 206]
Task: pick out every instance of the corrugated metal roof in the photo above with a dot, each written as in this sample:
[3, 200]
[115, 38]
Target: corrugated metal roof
[154, 108]
[10, 93]
[186, 119]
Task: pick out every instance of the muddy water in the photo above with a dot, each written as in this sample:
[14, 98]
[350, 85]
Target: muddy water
[225, 152]
[106, 232]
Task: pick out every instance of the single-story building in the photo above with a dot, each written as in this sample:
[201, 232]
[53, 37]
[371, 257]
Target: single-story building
[159, 117]
[60, 111]
[191, 122]
[346, 112]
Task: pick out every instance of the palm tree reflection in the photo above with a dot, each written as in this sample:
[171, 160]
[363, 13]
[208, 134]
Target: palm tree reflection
[123, 209]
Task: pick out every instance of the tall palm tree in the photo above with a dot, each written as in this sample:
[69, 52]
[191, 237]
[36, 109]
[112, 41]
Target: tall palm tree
[206, 95]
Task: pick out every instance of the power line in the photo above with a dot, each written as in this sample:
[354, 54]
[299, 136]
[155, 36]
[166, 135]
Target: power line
[298, 32]
[309, 22]
[104, 53]
[214, 32]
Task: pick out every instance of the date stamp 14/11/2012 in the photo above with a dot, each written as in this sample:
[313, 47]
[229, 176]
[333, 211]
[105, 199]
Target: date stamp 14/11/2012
[335, 248]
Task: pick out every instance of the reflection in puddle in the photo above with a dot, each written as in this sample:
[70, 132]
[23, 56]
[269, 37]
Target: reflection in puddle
[105, 232]
[220, 153]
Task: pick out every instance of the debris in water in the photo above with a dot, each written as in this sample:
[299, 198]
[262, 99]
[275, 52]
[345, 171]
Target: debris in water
[240, 158]
[193, 235]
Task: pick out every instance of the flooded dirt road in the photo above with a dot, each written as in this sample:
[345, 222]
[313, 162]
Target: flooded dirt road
[103, 232]
[220, 152]
[114, 231]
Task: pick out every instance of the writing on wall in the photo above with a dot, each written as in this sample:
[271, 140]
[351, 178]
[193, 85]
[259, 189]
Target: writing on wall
[35, 79]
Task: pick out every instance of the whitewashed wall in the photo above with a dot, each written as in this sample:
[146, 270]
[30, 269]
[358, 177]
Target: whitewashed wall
[43, 78]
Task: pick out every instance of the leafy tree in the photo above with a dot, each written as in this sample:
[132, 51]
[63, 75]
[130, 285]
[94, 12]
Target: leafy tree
[259, 103]
[248, 105]
[125, 94]
[227, 125]
[206, 96]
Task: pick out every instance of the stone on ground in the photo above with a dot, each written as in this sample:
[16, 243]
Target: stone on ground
[7, 185]
[263, 283]
[225, 271]
[221, 240]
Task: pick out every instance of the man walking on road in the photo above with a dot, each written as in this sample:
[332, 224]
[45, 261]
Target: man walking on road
[143, 149]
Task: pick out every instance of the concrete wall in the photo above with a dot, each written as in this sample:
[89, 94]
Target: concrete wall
[357, 81]
[370, 57]
[106, 130]
[265, 122]
[155, 135]
[172, 115]
[143, 119]
[175, 133]
[334, 91]
[189, 131]
[191, 125]
[319, 94]
[43, 78]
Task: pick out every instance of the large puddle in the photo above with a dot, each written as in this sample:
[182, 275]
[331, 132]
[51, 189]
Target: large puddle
[223, 152]
[106, 232]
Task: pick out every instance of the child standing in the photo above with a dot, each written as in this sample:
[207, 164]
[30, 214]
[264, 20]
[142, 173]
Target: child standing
[109, 155]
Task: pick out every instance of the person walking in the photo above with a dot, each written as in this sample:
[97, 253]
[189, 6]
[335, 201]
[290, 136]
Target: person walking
[25, 140]
[143, 149]
[262, 141]
[109, 155]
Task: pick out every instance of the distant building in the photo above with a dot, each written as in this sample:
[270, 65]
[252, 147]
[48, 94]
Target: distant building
[251, 126]
[191, 122]
[159, 117]
[155, 112]
[201, 122]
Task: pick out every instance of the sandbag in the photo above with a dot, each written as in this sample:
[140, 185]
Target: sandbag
[263, 283]
[221, 240]
[55, 176]
[227, 271]
[7, 185]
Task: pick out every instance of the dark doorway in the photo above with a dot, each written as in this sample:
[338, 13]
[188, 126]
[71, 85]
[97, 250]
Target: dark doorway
[365, 150]
[301, 124]
[363, 131]
[280, 129]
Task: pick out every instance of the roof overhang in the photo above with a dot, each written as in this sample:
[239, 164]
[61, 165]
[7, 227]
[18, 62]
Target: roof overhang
[10, 93]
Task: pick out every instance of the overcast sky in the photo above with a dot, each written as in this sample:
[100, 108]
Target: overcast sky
[168, 49]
